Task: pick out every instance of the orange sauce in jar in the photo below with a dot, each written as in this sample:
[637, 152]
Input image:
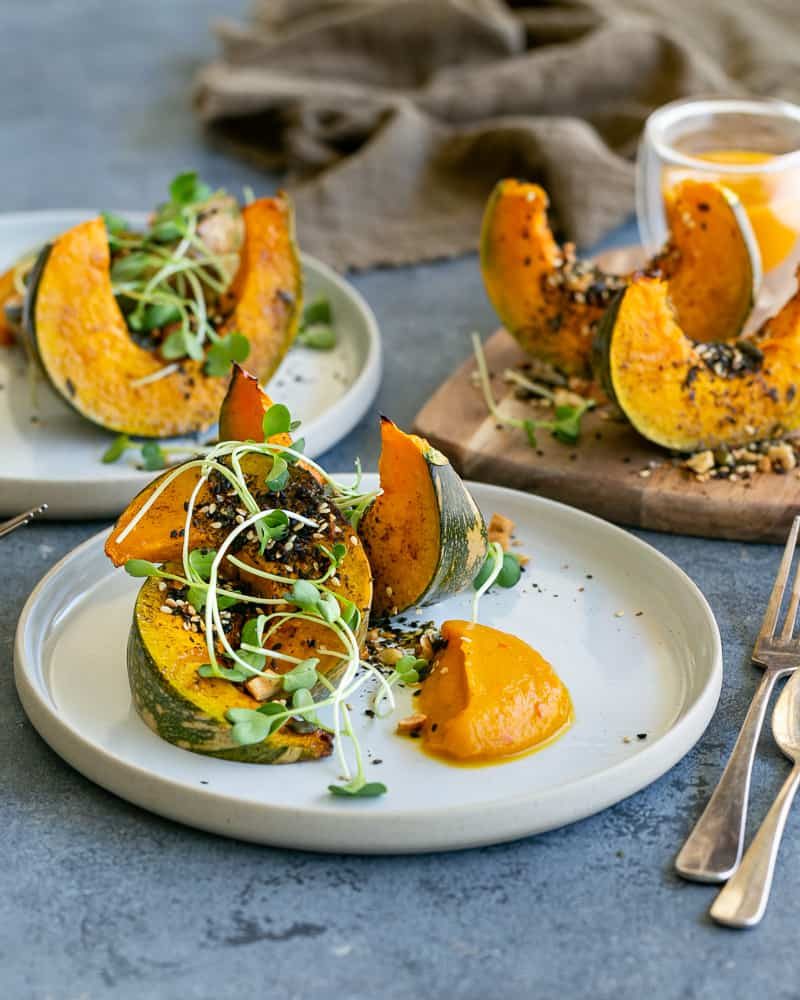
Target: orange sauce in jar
[770, 199]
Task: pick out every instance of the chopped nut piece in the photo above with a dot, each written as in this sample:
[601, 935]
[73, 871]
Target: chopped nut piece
[782, 457]
[702, 462]
[263, 688]
[764, 464]
[411, 724]
[500, 530]
[390, 655]
[426, 646]
[563, 397]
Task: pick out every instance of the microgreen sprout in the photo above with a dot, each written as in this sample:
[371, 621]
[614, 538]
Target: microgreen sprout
[153, 454]
[170, 284]
[495, 559]
[296, 600]
[316, 326]
[565, 425]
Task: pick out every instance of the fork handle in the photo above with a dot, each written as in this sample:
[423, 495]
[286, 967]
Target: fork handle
[742, 902]
[714, 847]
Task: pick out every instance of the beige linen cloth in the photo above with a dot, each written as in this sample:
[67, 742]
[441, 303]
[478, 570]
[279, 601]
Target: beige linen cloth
[394, 118]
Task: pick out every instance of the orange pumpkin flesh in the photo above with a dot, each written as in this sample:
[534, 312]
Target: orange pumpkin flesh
[158, 537]
[683, 395]
[712, 271]
[551, 301]
[424, 535]
[525, 272]
[401, 529]
[489, 696]
[84, 345]
[241, 415]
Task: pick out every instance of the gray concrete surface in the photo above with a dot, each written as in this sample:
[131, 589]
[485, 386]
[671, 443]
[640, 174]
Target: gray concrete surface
[101, 900]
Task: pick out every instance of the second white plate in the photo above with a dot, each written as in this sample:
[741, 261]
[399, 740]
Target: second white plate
[627, 630]
[52, 455]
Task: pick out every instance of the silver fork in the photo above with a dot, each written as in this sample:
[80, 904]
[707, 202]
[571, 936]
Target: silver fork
[713, 849]
[21, 519]
[743, 901]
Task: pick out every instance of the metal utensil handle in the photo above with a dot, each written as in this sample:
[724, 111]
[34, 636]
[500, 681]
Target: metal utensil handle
[742, 902]
[714, 847]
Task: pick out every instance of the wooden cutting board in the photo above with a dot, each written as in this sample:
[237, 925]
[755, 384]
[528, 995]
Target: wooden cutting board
[602, 473]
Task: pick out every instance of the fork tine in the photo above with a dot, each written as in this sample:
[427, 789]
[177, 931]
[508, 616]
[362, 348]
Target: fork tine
[6, 527]
[776, 597]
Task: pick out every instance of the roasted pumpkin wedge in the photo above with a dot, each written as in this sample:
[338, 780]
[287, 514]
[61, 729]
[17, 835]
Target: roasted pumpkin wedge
[241, 415]
[158, 536]
[424, 535]
[188, 710]
[89, 355]
[687, 395]
[551, 300]
[711, 261]
[490, 695]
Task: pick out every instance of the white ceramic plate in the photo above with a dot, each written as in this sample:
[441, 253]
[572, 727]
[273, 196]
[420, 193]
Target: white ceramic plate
[52, 454]
[656, 670]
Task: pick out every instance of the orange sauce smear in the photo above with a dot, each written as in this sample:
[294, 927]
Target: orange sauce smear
[490, 698]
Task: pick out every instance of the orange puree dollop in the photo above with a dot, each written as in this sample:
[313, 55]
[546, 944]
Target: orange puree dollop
[490, 695]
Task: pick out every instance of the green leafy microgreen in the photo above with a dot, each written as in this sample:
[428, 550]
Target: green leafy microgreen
[158, 315]
[484, 572]
[226, 673]
[141, 567]
[272, 708]
[187, 188]
[409, 669]
[302, 700]
[510, 571]
[317, 337]
[277, 420]
[304, 595]
[298, 445]
[351, 616]
[153, 456]
[221, 355]
[329, 608]
[166, 231]
[253, 725]
[132, 266]
[277, 524]
[508, 575]
[196, 596]
[116, 449]
[318, 311]
[566, 423]
[200, 562]
[252, 635]
[361, 790]
[115, 224]
[278, 475]
[304, 675]
[181, 344]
